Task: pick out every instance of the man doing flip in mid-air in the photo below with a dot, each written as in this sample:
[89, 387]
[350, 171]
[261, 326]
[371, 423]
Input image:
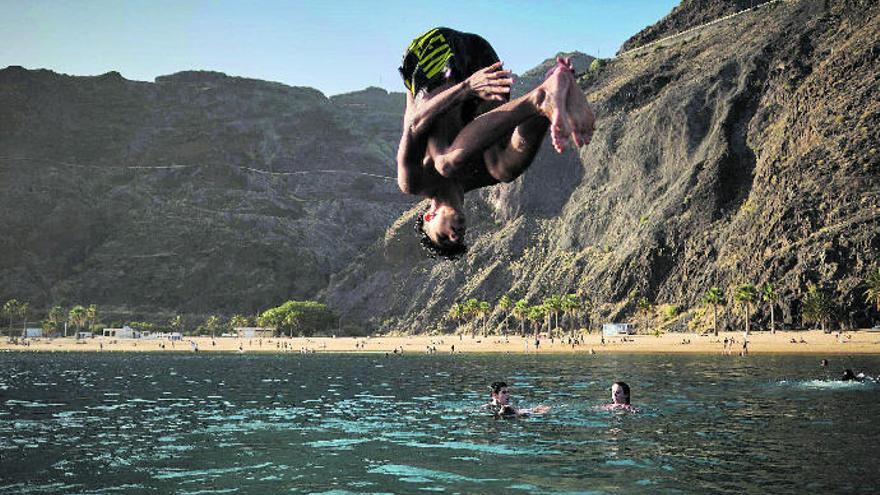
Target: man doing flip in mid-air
[461, 130]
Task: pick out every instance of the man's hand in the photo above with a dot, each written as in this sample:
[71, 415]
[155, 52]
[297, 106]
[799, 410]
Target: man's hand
[491, 83]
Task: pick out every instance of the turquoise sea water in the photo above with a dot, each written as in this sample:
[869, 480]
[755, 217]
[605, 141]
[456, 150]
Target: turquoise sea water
[363, 424]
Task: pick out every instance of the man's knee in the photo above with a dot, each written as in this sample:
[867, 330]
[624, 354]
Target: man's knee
[449, 163]
[501, 173]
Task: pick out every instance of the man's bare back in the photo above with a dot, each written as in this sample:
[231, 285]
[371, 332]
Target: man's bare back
[464, 133]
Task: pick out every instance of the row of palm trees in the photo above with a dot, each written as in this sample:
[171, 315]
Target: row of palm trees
[79, 317]
[817, 307]
[745, 296]
[547, 313]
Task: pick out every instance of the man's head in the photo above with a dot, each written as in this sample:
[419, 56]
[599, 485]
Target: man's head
[500, 394]
[620, 393]
[442, 231]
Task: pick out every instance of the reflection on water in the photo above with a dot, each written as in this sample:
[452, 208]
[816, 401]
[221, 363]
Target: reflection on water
[200, 424]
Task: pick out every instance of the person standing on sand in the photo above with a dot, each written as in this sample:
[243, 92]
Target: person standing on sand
[461, 130]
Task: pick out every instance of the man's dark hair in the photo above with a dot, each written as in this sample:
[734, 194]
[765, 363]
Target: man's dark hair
[450, 252]
[497, 386]
[625, 389]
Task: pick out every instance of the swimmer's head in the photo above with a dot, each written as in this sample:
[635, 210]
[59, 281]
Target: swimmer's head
[442, 230]
[848, 375]
[823, 363]
[620, 393]
[500, 394]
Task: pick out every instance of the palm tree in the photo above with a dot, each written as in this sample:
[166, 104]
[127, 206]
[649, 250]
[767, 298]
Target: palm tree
[471, 311]
[504, 305]
[570, 306]
[92, 315]
[553, 305]
[23, 309]
[238, 321]
[817, 307]
[643, 308]
[872, 293]
[14, 310]
[536, 314]
[770, 296]
[456, 312]
[55, 317]
[78, 316]
[483, 311]
[521, 313]
[10, 310]
[746, 295]
[714, 297]
[586, 307]
[212, 323]
[176, 324]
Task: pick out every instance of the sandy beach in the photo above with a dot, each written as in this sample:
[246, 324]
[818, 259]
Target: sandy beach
[802, 342]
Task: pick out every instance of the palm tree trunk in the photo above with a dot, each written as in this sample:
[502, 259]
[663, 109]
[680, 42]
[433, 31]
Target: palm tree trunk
[748, 317]
[772, 321]
[715, 319]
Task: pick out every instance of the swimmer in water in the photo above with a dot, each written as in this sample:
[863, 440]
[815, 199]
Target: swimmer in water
[501, 407]
[620, 398]
[849, 376]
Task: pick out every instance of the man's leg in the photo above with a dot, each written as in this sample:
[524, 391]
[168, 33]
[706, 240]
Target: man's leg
[487, 131]
[548, 103]
[508, 160]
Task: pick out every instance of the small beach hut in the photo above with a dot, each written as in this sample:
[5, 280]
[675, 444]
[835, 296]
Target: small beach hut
[253, 332]
[126, 332]
[617, 329]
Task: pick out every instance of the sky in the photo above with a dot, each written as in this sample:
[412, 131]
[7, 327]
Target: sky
[335, 46]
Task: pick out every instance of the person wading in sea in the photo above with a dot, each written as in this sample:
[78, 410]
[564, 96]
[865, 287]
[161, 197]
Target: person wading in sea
[461, 130]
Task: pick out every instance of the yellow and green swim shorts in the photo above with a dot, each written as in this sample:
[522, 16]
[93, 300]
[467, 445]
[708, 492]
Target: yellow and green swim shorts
[441, 54]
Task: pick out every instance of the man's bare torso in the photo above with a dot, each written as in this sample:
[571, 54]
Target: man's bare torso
[443, 132]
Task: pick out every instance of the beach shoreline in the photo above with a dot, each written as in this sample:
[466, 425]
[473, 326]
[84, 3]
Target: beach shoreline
[811, 342]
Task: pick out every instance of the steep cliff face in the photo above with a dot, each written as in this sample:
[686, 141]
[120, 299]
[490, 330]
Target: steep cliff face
[686, 15]
[197, 193]
[745, 153]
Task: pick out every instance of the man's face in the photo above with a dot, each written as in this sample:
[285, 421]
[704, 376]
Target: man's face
[502, 396]
[445, 226]
[617, 394]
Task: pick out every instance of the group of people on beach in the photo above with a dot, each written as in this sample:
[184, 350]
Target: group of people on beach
[501, 407]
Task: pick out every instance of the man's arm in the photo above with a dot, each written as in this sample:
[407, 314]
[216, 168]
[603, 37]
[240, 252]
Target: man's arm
[414, 139]
[490, 83]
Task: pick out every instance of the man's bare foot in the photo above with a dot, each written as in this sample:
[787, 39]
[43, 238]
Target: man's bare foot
[555, 106]
[583, 121]
[566, 107]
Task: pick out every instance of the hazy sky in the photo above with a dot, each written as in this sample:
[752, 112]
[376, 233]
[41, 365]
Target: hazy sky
[334, 46]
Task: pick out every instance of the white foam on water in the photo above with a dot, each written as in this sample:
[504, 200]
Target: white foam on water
[827, 384]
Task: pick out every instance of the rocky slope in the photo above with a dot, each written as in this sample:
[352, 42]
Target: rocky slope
[197, 193]
[746, 153]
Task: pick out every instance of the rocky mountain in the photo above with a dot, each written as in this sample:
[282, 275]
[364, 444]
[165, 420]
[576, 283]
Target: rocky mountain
[196, 193]
[686, 15]
[745, 153]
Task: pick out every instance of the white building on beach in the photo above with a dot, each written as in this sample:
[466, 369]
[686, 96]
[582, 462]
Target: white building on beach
[125, 332]
[253, 332]
[616, 329]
